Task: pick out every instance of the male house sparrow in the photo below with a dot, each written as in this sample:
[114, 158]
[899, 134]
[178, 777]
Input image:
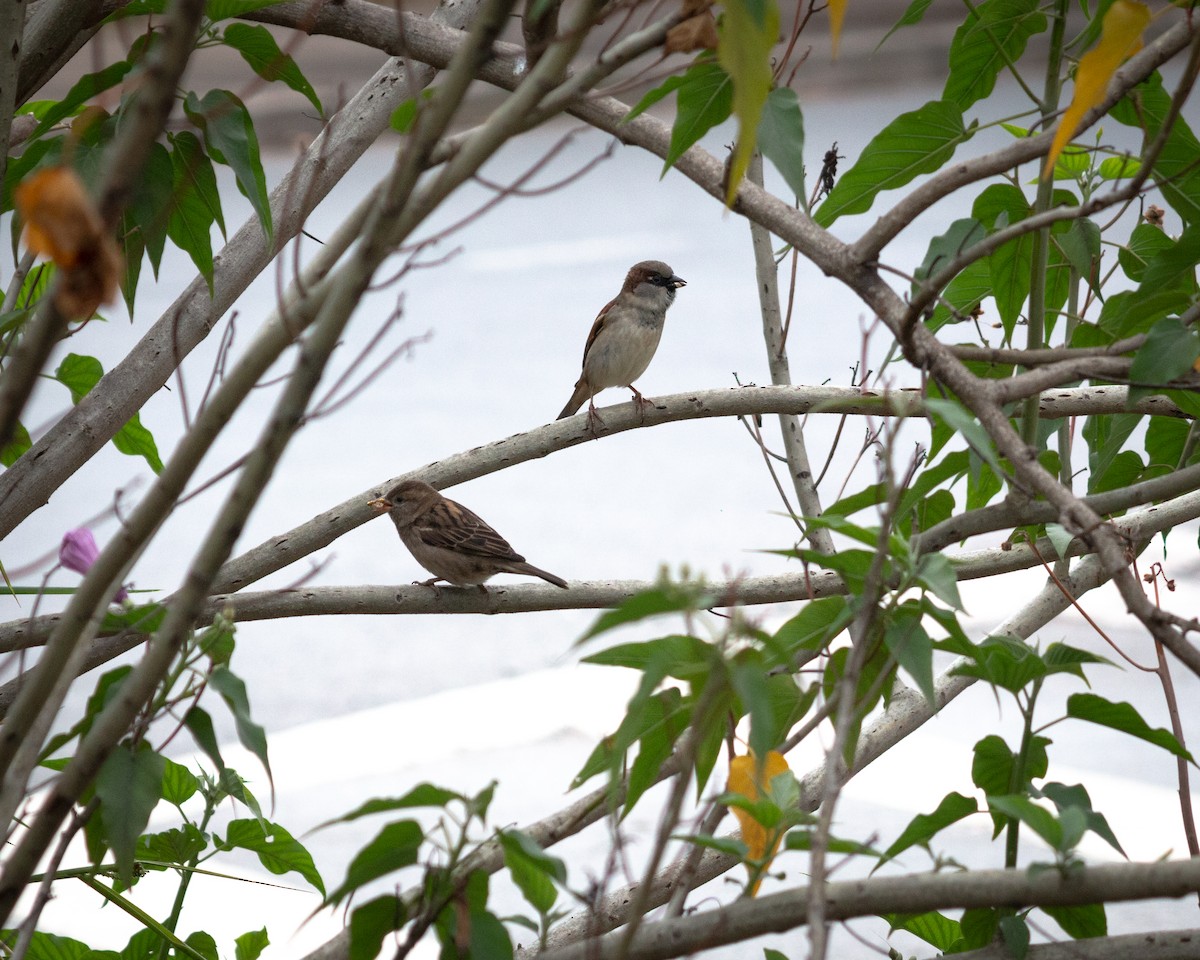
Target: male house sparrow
[625, 335]
[448, 540]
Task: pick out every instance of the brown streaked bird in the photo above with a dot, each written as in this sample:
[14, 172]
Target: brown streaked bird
[625, 336]
[449, 540]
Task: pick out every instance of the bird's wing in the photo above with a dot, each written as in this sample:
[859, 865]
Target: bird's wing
[452, 526]
[597, 326]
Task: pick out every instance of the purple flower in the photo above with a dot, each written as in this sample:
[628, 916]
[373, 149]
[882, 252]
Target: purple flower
[79, 551]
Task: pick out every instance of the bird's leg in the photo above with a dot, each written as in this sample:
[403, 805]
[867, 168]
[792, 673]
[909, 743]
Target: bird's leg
[431, 582]
[593, 418]
[642, 402]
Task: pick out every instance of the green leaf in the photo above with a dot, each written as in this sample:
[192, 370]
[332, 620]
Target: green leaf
[233, 691]
[921, 141]
[663, 719]
[811, 628]
[277, 850]
[48, 946]
[488, 939]
[217, 10]
[934, 928]
[1014, 931]
[907, 641]
[1135, 311]
[668, 598]
[945, 247]
[194, 175]
[979, 927]
[405, 115]
[749, 680]
[230, 138]
[1145, 243]
[179, 784]
[1170, 351]
[959, 419]
[533, 870]
[422, 795]
[200, 725]
[150, 206]
[192, 208]
[1105, 436]
[964, 293]
[1080, 245]
[370, 924]
[395, 846]
[1080, 921]
[993, 34]
[259, 49]
[729, 846]
[925, 826]
[704, 99]
[1123, 717]
[1119, 168]
[1040, 820]
[682, 657]
[1175, 267]
[20, 442]
[137, 8]
[179, 845]
[991, 768]
[84, 89]
[128, 786]
[250, 945]
[935, 572]
[199, 941]
[803, 840]
[1076, 797]
[232, 784]
[913, 15]
[1147, 108]
[746, 35]
[781, 138]
[80, 374]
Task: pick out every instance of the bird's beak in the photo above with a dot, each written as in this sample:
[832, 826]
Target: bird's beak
[380, 504]
[678, 282]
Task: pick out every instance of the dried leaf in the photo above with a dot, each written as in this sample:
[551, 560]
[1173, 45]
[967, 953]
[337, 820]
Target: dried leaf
[1120, 38]
[62, 223]
[695, 33]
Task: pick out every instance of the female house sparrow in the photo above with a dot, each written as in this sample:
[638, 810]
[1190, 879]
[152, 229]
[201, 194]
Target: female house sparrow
[625, 335]
[448, 540]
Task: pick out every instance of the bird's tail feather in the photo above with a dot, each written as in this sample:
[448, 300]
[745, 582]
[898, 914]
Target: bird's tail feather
[546, 575]
[576, 401]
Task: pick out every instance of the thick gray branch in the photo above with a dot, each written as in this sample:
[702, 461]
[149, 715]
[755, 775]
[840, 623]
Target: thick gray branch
[912, 893]
[322, 530]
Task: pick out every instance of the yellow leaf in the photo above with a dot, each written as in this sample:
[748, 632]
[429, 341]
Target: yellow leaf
[747, 33]
[1120, 38]
[748, 782]
[837, 12]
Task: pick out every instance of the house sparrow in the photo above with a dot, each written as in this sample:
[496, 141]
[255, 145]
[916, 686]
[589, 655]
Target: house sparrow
[625, 335]
[448, 540]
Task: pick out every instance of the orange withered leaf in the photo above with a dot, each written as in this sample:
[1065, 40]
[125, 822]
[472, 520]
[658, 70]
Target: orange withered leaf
[751, 783]
[61, 222]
